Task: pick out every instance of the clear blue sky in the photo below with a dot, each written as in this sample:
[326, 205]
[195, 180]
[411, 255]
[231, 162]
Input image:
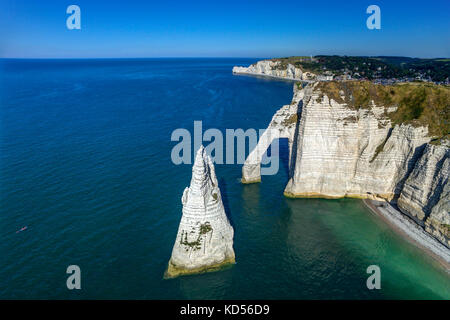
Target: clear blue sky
[222, 28]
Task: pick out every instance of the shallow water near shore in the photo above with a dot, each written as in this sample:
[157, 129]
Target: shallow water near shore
[85, 164]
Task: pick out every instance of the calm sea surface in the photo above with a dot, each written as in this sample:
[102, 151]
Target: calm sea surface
[85, 164]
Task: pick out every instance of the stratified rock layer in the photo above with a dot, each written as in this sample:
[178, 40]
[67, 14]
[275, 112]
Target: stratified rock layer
[438, 223]
[349, 152]
[425, 196]
[339, 150]
[205, 237]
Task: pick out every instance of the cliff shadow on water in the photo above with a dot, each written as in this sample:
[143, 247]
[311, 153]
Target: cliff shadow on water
[225, 200]
[283, 155]
[287, 154]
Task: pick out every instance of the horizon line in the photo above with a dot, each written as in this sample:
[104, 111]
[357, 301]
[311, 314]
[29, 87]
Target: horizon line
[211, 57]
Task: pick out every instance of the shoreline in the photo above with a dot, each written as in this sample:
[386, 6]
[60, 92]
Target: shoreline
[312, 195]
[270, 76]
[412, 232]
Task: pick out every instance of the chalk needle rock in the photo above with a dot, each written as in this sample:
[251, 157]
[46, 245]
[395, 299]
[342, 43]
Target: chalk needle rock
[205, 237]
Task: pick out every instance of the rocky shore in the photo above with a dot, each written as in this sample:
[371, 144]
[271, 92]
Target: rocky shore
[408, 228]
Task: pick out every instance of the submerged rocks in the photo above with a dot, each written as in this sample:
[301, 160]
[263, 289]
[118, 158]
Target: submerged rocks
[205, 237]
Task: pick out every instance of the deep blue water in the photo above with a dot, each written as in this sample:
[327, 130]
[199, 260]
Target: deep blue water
[85, 164]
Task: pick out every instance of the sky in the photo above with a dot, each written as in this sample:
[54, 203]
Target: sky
[222, 28]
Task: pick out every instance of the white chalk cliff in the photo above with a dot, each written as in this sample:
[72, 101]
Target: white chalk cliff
[348, 152]
[274, 69]
[426, 194]
[205, 237]
[338, 151]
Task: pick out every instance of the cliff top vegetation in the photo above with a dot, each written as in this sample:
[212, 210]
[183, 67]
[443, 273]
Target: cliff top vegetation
[437, 70]
[420, 104]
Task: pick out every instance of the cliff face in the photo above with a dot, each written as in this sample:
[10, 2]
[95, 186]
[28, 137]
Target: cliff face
[348, 152]
[274, 69]
[205, 237]
[426, 194]
[346, 145]
[438, 223]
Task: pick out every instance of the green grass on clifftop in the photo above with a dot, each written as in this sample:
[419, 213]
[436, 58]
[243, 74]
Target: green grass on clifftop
[437, 70]
[419, 104]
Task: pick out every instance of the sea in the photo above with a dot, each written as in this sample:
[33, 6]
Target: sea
[86, 173]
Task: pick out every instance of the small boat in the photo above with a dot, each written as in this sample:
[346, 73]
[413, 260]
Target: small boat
[22, 229]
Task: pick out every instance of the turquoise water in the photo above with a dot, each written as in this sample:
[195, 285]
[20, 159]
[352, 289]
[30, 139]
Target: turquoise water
[85, 164]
